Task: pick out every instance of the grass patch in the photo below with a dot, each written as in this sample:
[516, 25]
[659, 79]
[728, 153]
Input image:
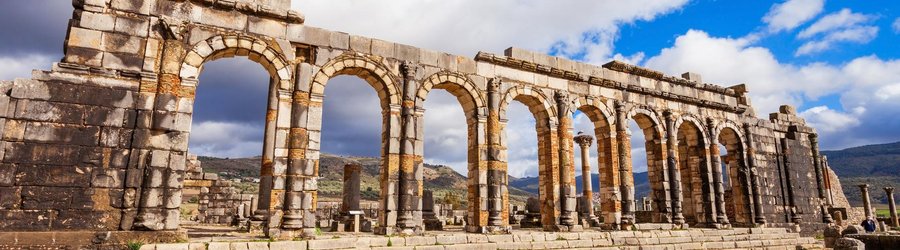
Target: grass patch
[134, 245]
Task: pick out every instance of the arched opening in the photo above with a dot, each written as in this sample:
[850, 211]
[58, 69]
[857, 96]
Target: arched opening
[649, 178]
[736, 179]
[387, 164]
[595, 123]
[350, 157]
[524, 168]
[695, 184]
[452, 145]
[548, 195]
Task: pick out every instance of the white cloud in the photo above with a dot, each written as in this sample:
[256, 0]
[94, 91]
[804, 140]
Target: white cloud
[14, 67]
[792, 13]
[841, 26]
[896, 25]
[468, 26]
[226, 139]
[841, 19]
[868, 87]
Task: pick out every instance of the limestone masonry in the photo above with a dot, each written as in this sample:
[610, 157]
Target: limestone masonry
[99, 142]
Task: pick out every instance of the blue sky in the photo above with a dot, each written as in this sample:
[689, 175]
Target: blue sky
[836, 60]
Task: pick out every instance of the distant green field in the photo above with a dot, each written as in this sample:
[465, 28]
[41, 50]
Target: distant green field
[881, 210]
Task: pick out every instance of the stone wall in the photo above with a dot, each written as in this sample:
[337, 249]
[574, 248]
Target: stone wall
[99, 142]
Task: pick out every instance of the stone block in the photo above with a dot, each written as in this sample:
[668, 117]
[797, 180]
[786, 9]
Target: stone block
[258, 245]
[122, 61]
[340, 40]
[406, 53]
[84, 56]
[339, 243]
[360, 44]
[97, 21]
[287, 245]
[172, 246]
[62, 133]
[309, 35]
[85, 38]
[134, 6]
[451, 239]
[134, 26]
[10, 197]
[382, 48]
[267, 27]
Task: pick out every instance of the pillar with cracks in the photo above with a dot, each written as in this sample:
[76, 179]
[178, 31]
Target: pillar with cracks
[759, 217]
[889, 191]
[584, 141]
[409, 218]
[566, 164]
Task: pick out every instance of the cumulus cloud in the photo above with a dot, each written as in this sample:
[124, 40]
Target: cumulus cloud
[792, 13]
[226, 139]
[841, 26]
[21, 66]
[896, 25]
[466, 27]
[868, 87]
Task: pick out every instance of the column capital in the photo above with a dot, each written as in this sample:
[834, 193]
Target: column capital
[863, 186]
[584, 140]
[889, 189]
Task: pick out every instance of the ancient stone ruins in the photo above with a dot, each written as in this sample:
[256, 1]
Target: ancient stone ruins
[99, 142]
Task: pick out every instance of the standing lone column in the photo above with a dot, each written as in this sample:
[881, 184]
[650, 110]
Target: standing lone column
[864, 190]
[626, 179]
[674, 173]
[889, 191]
[585, 141]
[820, 176]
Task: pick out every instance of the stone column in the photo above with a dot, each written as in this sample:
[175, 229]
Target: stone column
[266, 178]
[716, 163]
[491, 190]
[626, 179]
[759, 217]
[820, 176]
[867, 205]
[889, 191]
[585, 141]
[566, 164]
[411, 179]
[673, 171]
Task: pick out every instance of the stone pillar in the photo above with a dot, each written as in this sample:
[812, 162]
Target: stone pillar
[490, 194]
[867, 205]
[716, 158]
[759, 216]
[585, 141]
[829, 197]
[626, 179]
[889, 191]
[673, 171]
[820, 176]
[429, 217]
[411, 177]
[351, 192]
[566, 163]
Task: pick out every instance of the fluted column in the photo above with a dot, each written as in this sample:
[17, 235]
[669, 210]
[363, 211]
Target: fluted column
[889, 191]
[626, 179]
[716, 158]
[759, 217]
[673, 170]
[585, 141]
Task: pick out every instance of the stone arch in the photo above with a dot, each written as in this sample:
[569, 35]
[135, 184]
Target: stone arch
[380, 77]
[377, 74]
[692, 163]
[474, 106]
[603, 119]
[278, 111]
[224, 46]
[654, 139]
[546, 122]
[738, 200]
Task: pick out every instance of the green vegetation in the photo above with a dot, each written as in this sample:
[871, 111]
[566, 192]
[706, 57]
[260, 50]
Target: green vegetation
[134, 245]
[876, 165]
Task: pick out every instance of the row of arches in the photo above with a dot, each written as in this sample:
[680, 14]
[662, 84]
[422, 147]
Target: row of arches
[681, 145]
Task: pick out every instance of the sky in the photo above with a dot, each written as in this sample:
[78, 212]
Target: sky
[837, 61]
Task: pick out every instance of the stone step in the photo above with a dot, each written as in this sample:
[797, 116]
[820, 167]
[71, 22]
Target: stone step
[677, 239]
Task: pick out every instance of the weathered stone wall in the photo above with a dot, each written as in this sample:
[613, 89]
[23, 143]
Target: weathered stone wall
[109, 126]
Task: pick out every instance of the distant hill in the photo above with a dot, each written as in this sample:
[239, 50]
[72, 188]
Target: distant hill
[438, 178]
[876, 165]
[530, 184]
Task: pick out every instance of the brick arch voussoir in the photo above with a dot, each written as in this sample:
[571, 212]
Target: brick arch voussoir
[389, 90]
[543, 102]
[602, 117]
[463, 82]
[254, 48]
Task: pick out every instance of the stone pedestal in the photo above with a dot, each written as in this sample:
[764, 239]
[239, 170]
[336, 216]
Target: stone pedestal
[350, 214]
[532, 217]
[428, 216]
